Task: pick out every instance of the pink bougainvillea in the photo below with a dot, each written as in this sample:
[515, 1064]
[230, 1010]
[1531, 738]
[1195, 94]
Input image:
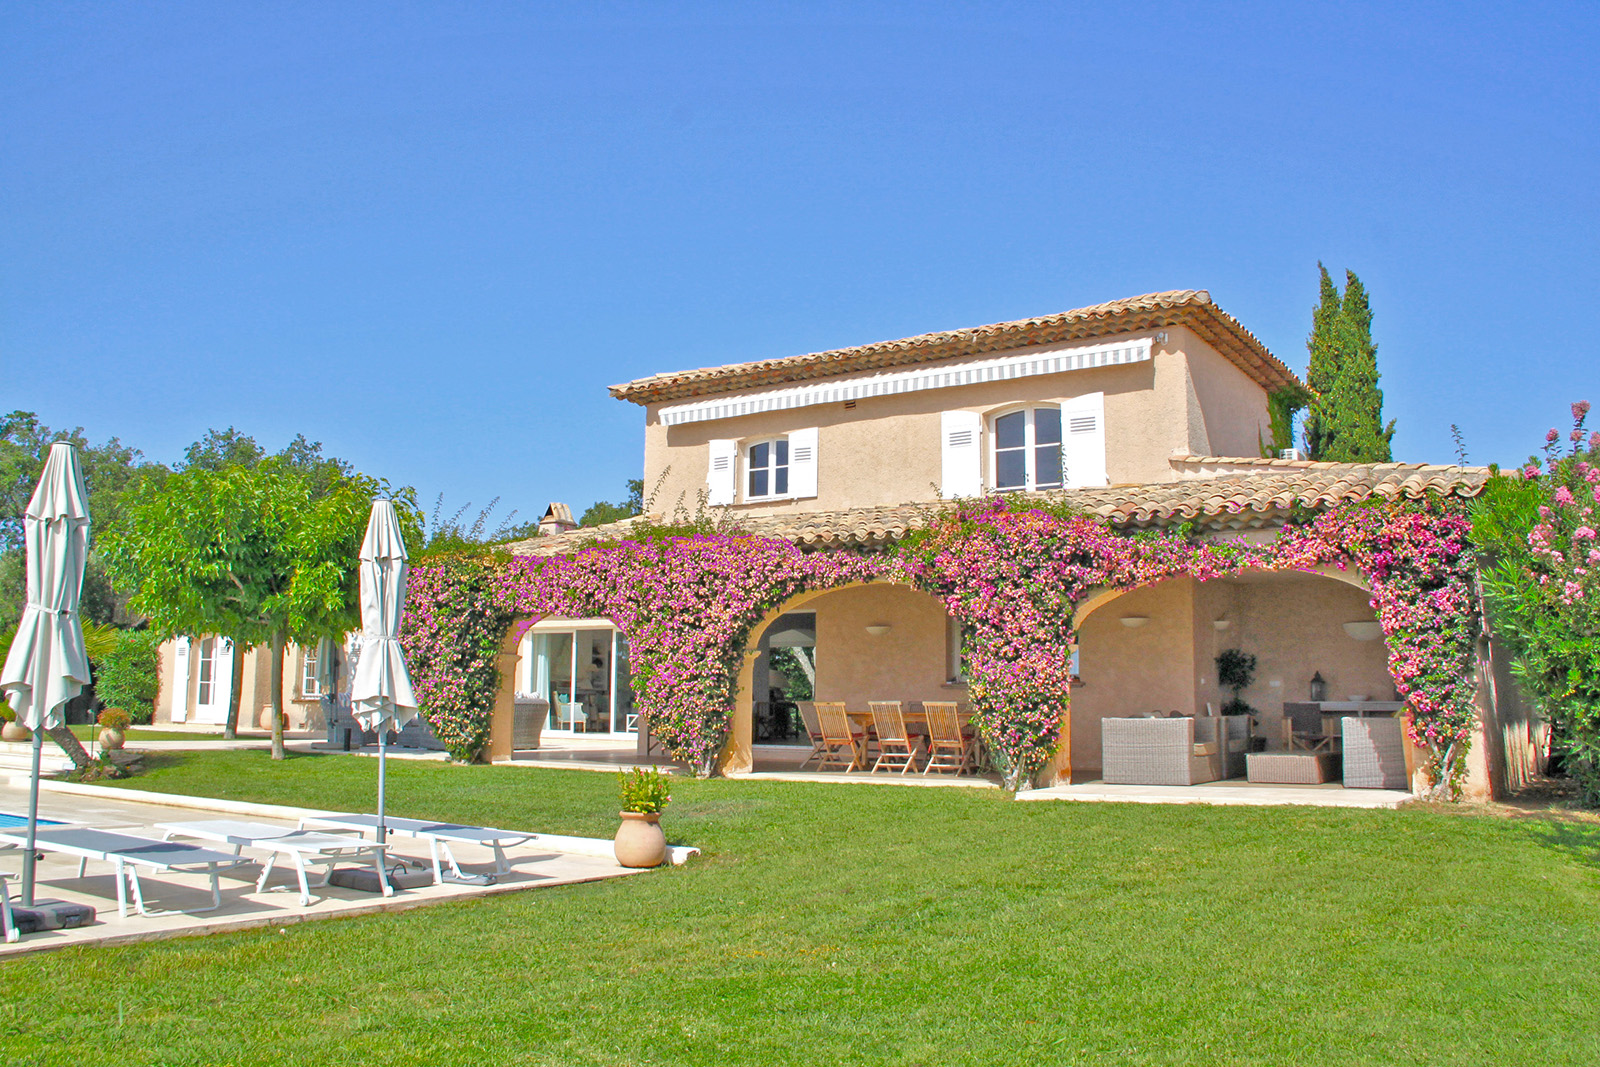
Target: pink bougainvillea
[1010, 575]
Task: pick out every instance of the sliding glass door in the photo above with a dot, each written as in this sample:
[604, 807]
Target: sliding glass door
[580, 669]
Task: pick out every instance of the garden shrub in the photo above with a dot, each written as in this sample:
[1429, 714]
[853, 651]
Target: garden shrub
[129, 676]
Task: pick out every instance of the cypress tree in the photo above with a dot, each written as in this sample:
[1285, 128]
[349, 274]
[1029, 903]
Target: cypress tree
[1356, 411]
[1322, 373]
[1345, 424]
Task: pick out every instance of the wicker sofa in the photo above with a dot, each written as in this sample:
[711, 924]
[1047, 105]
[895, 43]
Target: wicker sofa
[1156, 752]
[1374, 753]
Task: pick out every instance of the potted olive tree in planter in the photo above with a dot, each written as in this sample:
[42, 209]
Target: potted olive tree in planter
[640, 841]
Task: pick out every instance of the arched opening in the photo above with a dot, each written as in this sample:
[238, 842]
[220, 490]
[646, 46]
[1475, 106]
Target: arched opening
[1153, 651]
[873, 641]
[576, 672]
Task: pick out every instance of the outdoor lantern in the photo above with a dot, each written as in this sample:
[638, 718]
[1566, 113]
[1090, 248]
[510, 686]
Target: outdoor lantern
[1319, 688]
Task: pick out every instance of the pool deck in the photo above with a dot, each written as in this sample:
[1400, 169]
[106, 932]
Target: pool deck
[545, 861]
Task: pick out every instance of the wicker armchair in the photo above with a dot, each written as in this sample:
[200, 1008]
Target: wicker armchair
[1375, 753]
[1155, 752]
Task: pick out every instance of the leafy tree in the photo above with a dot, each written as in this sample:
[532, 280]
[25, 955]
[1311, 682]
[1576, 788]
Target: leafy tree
[601, 512]
[129, 675]
[262, 554]
[1345, 423]
[1536, 531]
[109, 470]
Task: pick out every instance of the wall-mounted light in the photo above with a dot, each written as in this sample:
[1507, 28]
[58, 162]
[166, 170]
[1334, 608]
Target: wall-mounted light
[1220, 625]
[1133, 622]
[877, 629]
[1364, 631]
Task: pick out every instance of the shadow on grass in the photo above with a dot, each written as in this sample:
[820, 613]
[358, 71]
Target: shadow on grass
[1576, 840]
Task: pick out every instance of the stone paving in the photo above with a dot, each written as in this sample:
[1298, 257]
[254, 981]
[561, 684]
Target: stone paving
[545, 861]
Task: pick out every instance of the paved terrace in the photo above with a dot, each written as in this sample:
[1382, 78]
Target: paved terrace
[547, 860]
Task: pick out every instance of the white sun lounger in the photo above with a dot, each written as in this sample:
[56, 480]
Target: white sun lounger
[7, 924]
[128, 853]
[438, 835]
[301, 846]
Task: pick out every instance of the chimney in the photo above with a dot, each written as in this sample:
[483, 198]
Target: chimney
[557, 519]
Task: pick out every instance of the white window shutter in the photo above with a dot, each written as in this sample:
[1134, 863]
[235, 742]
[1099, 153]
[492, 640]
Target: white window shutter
[180, 680]
[1083, 440]
[960, 454]
[803, 463]
[722, 473]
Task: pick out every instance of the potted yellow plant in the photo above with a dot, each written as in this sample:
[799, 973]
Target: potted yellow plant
[113, 724]
[640, 841]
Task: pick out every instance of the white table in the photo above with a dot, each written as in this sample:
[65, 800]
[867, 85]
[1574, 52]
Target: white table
[128, 853]
[303, 847]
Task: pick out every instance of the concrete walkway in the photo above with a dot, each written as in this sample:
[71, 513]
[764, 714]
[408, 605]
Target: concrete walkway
[546, 860]
[1329, 795]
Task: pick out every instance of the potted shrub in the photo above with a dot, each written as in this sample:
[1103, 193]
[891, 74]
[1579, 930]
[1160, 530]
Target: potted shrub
[12, 730]
[640, 841]
[1236, 669]
[113, 723]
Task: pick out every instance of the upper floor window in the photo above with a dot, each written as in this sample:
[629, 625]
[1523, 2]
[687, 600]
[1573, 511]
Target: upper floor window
[1027, 449]
[767, 469]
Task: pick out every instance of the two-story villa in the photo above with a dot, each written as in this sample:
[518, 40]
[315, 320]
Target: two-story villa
[1149, 411]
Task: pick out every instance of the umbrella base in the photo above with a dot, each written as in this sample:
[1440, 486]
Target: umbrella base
[365, 879]
[51, 915]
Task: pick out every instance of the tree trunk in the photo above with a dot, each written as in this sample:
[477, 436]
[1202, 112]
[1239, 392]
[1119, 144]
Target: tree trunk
[230, 726]
[69, 744]
[277, 694]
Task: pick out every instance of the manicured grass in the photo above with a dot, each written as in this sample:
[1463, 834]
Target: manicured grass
[136, 734]
[874, 924]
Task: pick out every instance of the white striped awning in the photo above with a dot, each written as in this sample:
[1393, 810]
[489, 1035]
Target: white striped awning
[1037, 361]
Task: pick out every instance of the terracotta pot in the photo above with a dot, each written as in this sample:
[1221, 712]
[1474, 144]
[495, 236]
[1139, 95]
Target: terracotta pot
[640, 842]
[111, 740]
[15, 731]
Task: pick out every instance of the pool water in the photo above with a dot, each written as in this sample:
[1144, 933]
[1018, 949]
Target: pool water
[8, 820]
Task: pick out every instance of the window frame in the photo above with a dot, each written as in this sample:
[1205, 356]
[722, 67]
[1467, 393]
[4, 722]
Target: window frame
[1029, 448]
[772, 468]
[310, 680]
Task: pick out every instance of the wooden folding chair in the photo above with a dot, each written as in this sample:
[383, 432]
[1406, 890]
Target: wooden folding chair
[808, 715]
[895, 747]
[948, 747]
[838, 737]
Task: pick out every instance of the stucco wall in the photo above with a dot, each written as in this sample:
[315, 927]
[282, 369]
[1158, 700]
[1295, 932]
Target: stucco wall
[886, 450]
[255, 699]
[907, 663]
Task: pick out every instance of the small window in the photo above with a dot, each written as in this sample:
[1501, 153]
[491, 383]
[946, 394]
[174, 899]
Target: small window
[767, 469]
[309, 684]
[1027, 449]
[206, 681]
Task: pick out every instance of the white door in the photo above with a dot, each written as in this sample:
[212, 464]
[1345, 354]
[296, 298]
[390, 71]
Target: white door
[215, 679]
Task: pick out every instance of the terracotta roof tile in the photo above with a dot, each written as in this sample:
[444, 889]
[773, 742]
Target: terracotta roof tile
[1257, 495]
[1186, 307]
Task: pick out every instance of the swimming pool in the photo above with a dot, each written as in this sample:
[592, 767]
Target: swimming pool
[8, 820]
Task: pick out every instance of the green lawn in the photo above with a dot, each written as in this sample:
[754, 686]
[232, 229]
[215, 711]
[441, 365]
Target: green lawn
[146, 733]
[873, 924]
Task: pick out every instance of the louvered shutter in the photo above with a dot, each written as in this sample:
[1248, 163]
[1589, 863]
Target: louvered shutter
[1083, 440]
[180, 680]
[803, 463]
[722, 472]
[960, 454]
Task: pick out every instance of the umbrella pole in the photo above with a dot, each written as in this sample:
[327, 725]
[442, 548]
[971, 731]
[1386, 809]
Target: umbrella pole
[30, 857]
[383, 832]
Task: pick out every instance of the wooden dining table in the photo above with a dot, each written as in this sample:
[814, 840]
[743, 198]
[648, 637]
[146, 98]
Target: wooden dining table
[911, 714]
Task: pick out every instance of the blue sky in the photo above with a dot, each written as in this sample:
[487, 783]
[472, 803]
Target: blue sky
[430, 235]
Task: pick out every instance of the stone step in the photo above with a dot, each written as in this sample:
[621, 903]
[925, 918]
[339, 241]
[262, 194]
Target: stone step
[17, 759]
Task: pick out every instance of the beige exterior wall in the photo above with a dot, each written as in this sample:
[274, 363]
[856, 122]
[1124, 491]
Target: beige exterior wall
[886, 450]
[255, 700]
[907, 663]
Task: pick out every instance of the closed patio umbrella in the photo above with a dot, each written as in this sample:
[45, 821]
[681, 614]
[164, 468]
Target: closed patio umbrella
[47, 665]
[380, 696]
